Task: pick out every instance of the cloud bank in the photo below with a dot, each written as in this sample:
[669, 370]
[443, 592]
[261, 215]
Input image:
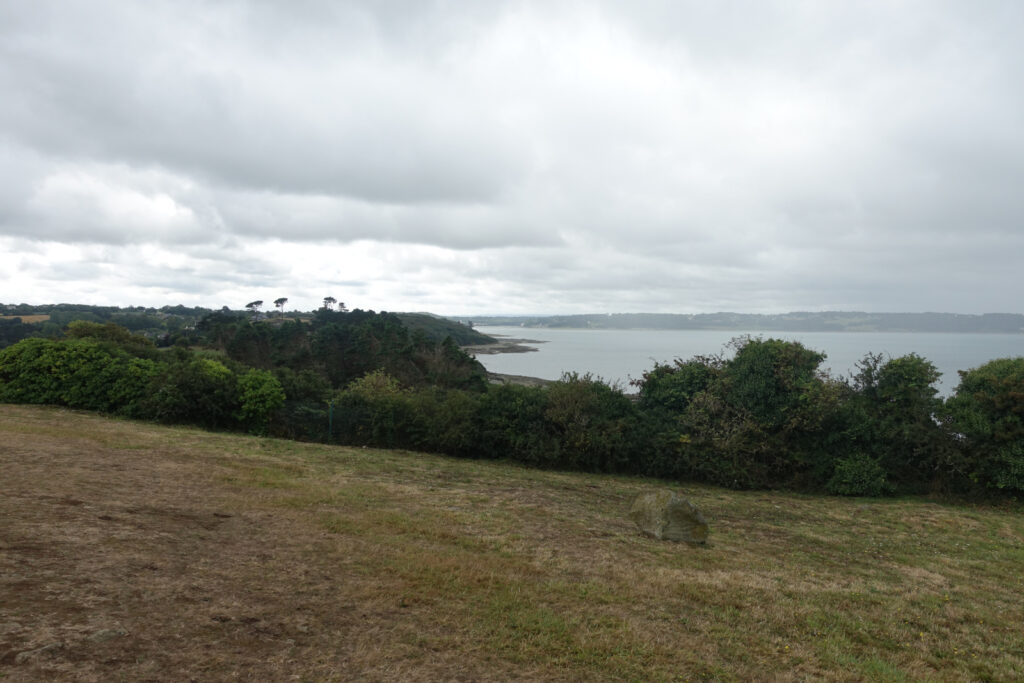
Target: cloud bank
[514, 156]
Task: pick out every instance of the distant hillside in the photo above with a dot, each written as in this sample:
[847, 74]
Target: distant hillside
[437, 328]
[828, 321]
[18, 321]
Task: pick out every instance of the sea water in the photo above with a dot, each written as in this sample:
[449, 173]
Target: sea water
[618, 356]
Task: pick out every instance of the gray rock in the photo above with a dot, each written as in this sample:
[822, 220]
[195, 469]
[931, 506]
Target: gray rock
[107, 634]
[668, 516]
[28, 655]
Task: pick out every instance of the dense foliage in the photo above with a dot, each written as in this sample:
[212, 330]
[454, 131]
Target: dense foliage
[241, 375]
[763, 416]
[170, 324]
[987, 416]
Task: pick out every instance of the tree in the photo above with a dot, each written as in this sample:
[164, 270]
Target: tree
[329, 302]
[987, 414]
[761, 419]
[279, 303]
[254, 306]
[891, 419]
[672, 387]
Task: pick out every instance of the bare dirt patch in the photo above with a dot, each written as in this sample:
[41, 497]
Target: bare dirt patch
[145, 563]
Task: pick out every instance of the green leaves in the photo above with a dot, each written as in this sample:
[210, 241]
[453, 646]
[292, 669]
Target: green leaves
[858, 475]
[79, 373]
[987, 413]
[259, 396]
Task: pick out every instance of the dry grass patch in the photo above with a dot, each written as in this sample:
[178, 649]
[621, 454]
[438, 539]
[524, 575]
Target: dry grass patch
[134, 551]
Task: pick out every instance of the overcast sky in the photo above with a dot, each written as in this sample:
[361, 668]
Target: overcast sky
[514, 157]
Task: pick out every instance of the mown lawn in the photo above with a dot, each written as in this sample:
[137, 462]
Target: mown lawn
[215, 556]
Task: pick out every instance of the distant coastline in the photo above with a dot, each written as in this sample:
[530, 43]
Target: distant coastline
[827, 321]
[503, 344]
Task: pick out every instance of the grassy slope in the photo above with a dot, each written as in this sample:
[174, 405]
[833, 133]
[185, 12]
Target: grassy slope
[158, 553]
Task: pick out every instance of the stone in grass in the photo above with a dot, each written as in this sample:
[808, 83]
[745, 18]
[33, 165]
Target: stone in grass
[107, 634]
[45, 650]
[666, 515]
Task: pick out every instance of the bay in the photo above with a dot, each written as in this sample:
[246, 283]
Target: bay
[618, 356]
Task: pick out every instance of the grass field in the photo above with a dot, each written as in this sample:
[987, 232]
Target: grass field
[136, 552]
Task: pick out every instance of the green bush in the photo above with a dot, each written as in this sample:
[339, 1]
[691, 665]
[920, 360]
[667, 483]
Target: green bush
[302, 421]
[511, 424]
[374, 410]
[304, 385]
[595, 425]
[259, 396]
[858, 475]
[198, 391]
[762, 420]
[79, 373]
[446, 422]
[672, 387]
[892, 416]
[987, 414]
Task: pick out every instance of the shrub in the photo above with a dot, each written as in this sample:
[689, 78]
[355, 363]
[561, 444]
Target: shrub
[303, 385]
[987, 413]
[446, 422]
[761, 421]
[79, 373]
[510, 423]
[259, 395]
[198, 391]
[594, 423]
[302, 421]
[374, 410]
[672, 387]
[858, 475]
[892, 416]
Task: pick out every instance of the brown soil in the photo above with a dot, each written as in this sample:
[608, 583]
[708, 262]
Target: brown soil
[126, 558]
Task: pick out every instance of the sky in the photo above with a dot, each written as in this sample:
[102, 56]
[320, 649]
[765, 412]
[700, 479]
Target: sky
[505, 157]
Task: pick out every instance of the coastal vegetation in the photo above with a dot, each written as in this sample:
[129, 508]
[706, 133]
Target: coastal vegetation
[765, 417]
[168, 325]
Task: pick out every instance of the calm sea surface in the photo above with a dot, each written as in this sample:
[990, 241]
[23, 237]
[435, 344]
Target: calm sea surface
[621, 355]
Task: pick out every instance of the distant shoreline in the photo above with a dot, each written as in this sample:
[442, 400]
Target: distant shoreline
[827, 321]
[508, 345]
[503, 345]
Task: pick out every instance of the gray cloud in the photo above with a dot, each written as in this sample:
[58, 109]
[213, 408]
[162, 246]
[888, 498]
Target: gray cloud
[516, 156]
